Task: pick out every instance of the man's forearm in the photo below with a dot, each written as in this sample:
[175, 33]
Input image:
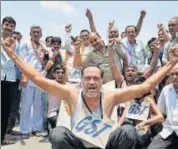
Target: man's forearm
[77, 59]
[154, 120]
[157, 77]
[139, 25]
[153, 65]
[92, 25]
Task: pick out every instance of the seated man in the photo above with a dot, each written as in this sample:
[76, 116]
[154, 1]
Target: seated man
[168, 104]
[91, 108]
[142, 113]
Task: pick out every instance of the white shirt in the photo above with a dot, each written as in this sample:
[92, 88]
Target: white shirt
[137, 54]
[168, 103]
[53, 105]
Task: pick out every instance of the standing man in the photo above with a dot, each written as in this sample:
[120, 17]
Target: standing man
[8, 77]
[32, 95]
[135, 49]
[17, 36]
[173, 29]
[90, 103]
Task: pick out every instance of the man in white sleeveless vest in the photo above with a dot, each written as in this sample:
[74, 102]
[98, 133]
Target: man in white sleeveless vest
[91, 109]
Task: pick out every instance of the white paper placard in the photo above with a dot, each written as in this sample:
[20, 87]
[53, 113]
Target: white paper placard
[138, 111]
[93, 130]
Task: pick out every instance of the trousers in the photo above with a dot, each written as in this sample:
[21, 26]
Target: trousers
[124, 137]
[31, 119]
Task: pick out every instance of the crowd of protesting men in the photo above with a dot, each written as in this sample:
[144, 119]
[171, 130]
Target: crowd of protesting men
[41, 74]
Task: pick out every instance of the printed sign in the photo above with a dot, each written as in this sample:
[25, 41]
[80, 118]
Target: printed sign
[138, 111]
[75, 75]
[93, 130]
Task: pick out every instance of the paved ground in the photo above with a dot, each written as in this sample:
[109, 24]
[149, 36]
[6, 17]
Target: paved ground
[32, 143]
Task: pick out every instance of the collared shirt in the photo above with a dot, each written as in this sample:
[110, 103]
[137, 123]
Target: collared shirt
[168, 103]
[30, 57]
[167, 46]
[8, 70]
[96, 58]
[137, 54]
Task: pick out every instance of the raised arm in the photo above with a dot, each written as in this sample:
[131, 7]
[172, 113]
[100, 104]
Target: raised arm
[154, 60]
[129, 93]
[91, 20]
[68, 45]
[140, 21]
[114, 67]
[61, 91]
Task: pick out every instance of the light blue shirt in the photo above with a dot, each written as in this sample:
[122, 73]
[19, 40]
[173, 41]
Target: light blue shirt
[137, 54]
[29, 56]
[8, 70]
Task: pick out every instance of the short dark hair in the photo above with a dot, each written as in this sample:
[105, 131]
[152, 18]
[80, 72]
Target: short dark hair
[122, 33]
[46, 39]
[16, 32]
[93, 65]
[84, 30]
[151, 40]
[56, 39]
[139, 79]
[131, 26]
[57, 67]
[9, 20]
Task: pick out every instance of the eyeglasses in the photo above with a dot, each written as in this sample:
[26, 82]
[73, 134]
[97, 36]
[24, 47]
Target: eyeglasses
[173, 25]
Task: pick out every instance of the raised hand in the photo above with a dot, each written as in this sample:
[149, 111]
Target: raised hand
[173, 54]
[111, 42]
[9, 46]
[89, 14]
[68, 28]
[142, 13]
[160, 26]
[111, 24]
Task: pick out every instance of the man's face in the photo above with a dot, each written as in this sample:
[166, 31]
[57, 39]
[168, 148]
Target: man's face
[161, 36]
[95, 41]
[17, 37]
[92, 82]
[48, 42]
[59, 75]
[85, 37]
[131, 33]
[123, 35]
[173, 27]
[8, 28]
[130, 74]
[36, 34]
[113, 33]
[173, 76]
[151, 46]
[56, 46]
